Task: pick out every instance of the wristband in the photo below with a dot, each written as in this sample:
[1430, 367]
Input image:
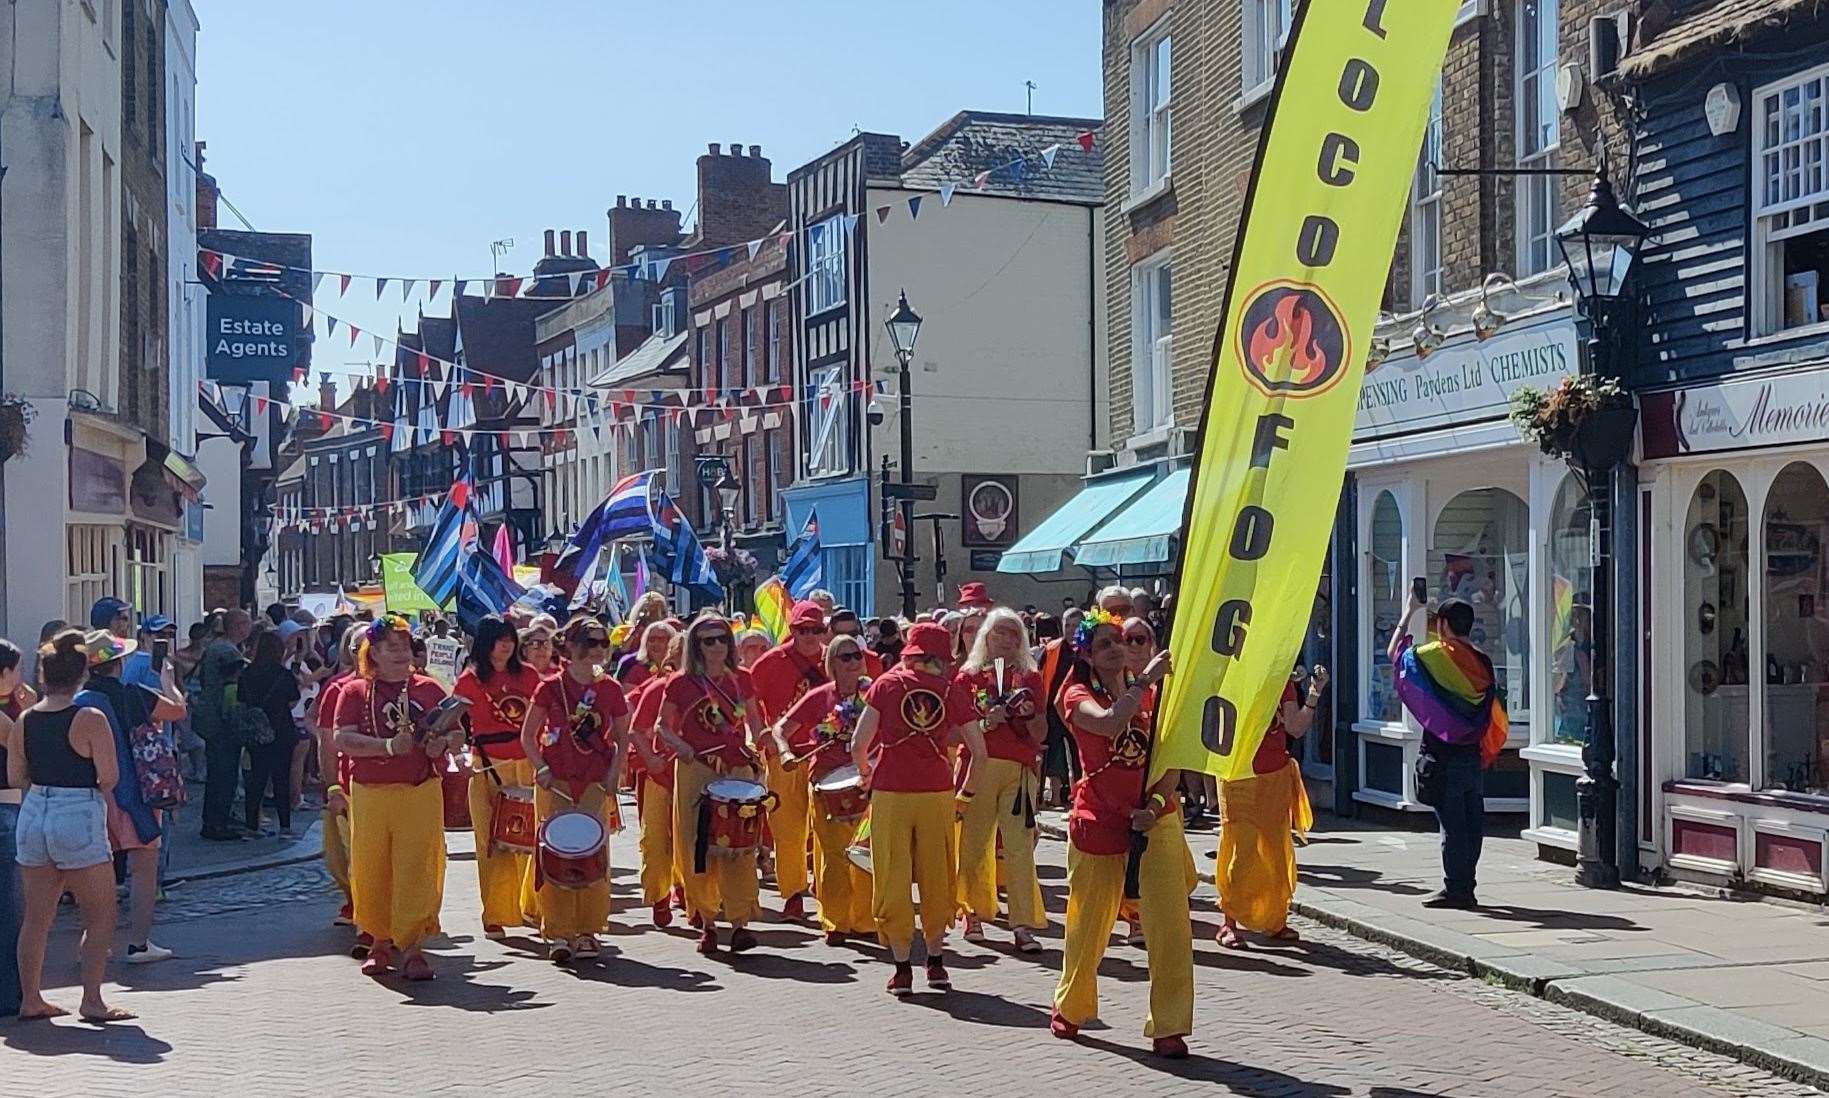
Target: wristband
[389, 744]
[1158, 802]
[964, 795]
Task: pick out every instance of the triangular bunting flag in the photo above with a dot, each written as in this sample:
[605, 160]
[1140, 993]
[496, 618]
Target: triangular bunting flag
[946, 193]
[432, 288]
[381, 381]
[317, 279]
[457, 289]
[387, 431]
[1085, 140]
[447, 437]
[353, 333]
[882, 214]
[260, 406]
[660, 268]
[981, 180]
[378, 342]
[1048, 155]
[406, 288]
[850, 224]
[754, 247]
[425, 363]
[330, 326]
[576, 279]
[343, 284]
[603, 277]
[305, 314]
[324, 420]
[298, 375]
[380, 285]
[914, 206]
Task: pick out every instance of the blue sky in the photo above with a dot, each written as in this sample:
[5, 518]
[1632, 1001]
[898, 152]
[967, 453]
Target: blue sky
[407, 136]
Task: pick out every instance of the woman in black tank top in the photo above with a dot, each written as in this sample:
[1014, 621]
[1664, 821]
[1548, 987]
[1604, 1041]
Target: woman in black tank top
[63, 755]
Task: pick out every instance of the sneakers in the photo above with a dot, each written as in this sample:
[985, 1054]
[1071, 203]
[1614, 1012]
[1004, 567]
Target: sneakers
[1453, 901]
[795, 910]
[494, 933]
[1025, 941]
[937, 977]
[708, 941]
[379, 961]
[360, 947]
[901, 981]
[1170, 1048]
[1061, 1027]
[663, 914]
[148, 953]
[418, 969]
[559, 952]
[974, 930]
[586, 948]
[742, 940]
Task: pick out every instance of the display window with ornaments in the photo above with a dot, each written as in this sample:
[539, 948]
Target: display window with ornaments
[1735, 711]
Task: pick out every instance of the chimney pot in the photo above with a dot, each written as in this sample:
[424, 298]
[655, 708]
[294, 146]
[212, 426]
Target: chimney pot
[714, 148]
[583, 247]
[650, 203]
[549, 242]
[565, 242]
[666, 203]
[736, 148]
[755, 150]
[622, 200]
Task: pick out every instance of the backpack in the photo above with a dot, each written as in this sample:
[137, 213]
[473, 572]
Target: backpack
[155, 763]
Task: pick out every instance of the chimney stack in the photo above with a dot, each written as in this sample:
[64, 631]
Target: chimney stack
[666, 203]
[583, 245]
[650, 203]
[713, 147]
[549, 242]
[755, 150]
[737, 199]
[327, 393]
[565, 242]
[622, 201]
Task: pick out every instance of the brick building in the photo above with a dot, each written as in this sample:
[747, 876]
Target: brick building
[335, 498]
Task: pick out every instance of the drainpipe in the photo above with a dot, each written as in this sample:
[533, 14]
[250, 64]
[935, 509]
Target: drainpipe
[1092, 329]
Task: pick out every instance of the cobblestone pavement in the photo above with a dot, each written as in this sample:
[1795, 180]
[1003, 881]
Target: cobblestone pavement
[263, 1000]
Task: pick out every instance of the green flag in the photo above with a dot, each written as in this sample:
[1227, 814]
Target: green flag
[397, 585]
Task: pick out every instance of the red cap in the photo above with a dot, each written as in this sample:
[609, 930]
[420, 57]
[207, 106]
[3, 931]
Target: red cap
[973, 594]
[925, 640]
[806, 613]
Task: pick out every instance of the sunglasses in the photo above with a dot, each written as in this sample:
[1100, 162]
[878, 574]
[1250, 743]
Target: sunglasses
[594, 642]
[536, 642]
[1137, 639]
[809, 630]
[710, 639]
[850, 657]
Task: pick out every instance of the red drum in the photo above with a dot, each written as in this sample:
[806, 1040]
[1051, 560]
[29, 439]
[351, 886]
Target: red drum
[574, 850]
[456, 788]
[842, 795]
[514, 831]
[737, 811]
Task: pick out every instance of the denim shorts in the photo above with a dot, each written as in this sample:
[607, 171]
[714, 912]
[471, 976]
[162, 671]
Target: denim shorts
[63, 828]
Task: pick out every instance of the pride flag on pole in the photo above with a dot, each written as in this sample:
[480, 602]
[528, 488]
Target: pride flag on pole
[772, 606]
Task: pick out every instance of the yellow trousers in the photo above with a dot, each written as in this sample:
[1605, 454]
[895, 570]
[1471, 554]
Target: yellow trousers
[1095, 889]
[503, 878]
[912, 845]
[729, 881]
[842, 889]
[573, 912]
[657, 875]
[336, 849]
[997, 810]
[1257, 857]
[788, 823]
[397, 860]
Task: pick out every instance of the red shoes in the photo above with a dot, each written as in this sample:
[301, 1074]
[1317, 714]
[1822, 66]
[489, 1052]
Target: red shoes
[663, 914]
[836, 937]
[1061, 1027]
[1170, 1048]
[901, 981]
[708, 941]
[742, 940]
[937, 977]
[379, 961]
[795, 910]
[360, 947]
[418, 969]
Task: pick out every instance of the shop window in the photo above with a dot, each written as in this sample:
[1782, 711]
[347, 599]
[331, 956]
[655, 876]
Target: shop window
[1386, 586]
[1796, 632]
[1480, 552]
[1318, 648]
[1571, 612]
[1715, 634]
[1558, 809]
[1791, 196]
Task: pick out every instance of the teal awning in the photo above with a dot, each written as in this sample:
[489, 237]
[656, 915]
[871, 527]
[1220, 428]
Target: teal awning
[1143, 532]
[1043, 548]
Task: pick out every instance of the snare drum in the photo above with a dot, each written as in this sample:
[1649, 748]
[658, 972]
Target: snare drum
[842, 795]
[514, 831]
[737, 810]
[859, 850]
[574, 850]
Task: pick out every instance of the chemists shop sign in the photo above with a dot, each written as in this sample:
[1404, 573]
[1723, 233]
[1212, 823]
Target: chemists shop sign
[1467, 380]
[252, 337]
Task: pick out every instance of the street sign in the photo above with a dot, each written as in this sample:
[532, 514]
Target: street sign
[898, 536]
[910, 491]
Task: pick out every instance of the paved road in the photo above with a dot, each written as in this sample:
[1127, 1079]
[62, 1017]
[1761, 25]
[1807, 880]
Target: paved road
[264, 1001]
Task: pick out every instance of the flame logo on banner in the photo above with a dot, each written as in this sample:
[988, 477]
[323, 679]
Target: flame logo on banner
[923, 710]
[1292, 341]
[1130, 747]
[511, 709]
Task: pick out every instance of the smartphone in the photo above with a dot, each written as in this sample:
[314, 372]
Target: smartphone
[161, 649]
[1419, 590]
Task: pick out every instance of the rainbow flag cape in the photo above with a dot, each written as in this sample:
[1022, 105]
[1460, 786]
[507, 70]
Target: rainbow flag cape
[772, 606]
[1449, 686]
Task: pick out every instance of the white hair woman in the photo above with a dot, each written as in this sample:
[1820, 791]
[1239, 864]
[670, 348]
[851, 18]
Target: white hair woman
[1000, 676]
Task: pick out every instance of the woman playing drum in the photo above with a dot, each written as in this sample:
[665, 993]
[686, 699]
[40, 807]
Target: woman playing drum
[1000, 676]
[575, 736]
[499, 688]
[653, 761]
[817, 732]
[396, 802]
[707, 718]
[912, 717]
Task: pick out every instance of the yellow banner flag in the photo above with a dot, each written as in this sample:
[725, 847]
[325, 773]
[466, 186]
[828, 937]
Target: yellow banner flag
[1320, 224]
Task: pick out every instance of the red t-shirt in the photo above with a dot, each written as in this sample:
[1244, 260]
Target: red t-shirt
[820, 723]
[374, 709]
[915, 711]
[782, 677]
[498, 708]
[1273, 754]
[710, 715]
[578, 742]
[1113, 783]
[1007, 740]
[644, 702]
[326, 717]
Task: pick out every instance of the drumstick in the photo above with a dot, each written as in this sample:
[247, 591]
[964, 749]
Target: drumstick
[999, 666]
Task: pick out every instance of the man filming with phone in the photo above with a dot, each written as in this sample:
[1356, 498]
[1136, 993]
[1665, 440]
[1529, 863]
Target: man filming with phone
[1449, 686]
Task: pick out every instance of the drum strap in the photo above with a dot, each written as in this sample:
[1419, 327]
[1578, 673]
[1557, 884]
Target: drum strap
[702, 846]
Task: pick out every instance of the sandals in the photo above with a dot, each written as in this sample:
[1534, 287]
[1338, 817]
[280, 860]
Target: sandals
[1230, 938]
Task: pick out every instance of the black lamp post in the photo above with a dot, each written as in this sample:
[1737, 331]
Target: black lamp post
[904, 328]
[1600, 244]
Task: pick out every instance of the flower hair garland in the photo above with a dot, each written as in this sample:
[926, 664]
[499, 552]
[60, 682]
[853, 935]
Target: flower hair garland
[1083, 633]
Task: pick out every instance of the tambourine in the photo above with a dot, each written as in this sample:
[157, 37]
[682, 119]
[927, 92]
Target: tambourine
[1021, 703]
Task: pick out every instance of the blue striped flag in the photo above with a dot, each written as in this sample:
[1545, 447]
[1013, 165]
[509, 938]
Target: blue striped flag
[805, 570]
[678, 554]
[623, 513]
[435, 571]
[482, 588]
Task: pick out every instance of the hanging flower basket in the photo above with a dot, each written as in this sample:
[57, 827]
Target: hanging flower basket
[733, 568]
[1585, 420]
[16, 414]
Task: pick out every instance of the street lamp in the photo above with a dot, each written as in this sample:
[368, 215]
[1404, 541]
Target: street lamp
[1599, 245]
[904, 328]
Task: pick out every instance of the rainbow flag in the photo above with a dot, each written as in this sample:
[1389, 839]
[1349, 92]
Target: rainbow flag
[1450, 687]
[772, 606]
[1562, 598]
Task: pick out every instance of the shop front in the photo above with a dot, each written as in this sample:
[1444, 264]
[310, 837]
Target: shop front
[1735, 709]
[1442, 487]
[848, 559]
